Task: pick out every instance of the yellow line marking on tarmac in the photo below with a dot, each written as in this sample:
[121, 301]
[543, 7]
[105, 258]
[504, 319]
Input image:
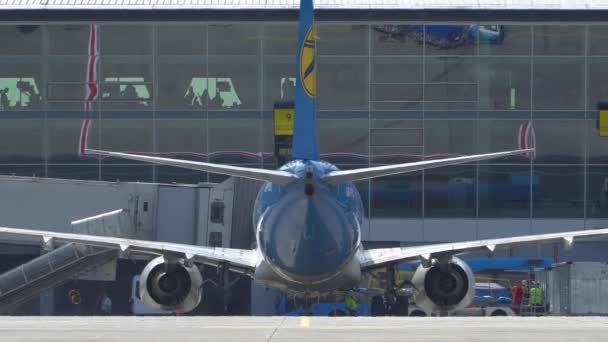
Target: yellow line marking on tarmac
[304, 322]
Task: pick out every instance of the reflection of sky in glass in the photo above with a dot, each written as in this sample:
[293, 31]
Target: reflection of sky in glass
[140, 89]
[213, 85]
[14, 94]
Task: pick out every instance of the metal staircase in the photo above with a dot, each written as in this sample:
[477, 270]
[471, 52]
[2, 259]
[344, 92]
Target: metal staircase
[49, 270]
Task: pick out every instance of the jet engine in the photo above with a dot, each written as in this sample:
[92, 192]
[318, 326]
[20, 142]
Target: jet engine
[171, 285]
[444, 286]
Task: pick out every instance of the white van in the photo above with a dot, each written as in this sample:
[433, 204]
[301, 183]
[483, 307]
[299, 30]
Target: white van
[138, 307]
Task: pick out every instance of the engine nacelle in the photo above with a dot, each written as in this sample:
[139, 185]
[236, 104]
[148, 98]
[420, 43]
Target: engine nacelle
[444, 286]
[171, 285]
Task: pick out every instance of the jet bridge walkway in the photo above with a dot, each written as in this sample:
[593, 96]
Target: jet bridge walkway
[47, 271]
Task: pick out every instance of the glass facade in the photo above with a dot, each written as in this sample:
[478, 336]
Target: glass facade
[388, 93]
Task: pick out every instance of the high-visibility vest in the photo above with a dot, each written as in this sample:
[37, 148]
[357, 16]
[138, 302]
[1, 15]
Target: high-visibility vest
[350, 303]
[536, 296]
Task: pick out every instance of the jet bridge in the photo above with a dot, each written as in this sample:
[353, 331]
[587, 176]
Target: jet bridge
[201, 214]
[47, 271]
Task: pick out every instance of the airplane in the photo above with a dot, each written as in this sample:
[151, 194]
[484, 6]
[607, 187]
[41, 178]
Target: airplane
[307, 216]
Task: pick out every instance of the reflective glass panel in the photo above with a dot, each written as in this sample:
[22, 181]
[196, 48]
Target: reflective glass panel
[390, 39]
[234, 39]
[449, 138]
[67, 80]
[558, 191]
[21, 85]
[21, 141]
[450, 83]
[279, 80]
[69, 39]
[343, 141]
[234, 141]
[504, 83]
[396, 83]
[64, 138]
[397, 196]
[598, 40]
[450, 191]
[559, 83]
[597, 191]
[504, 135]
[598, 145]
[125, 39]
[21, 39]
[342, 83]
[559, 40]
[182, 85]
[504, 191]
[445, 39]
[233, 83]
[506, 40]
[126, 83]
[281, 39]
[396, 141]
[597, 89]
[182, 139]
[126, 135]
[181, 39]
[560, 141]
[342, 39]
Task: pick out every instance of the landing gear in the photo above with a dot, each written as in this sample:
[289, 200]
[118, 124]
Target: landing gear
[220, 292]
[395, 303]
[378, 308]
[307, 305]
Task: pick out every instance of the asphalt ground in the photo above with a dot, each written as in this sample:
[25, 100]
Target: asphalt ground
[254, 329]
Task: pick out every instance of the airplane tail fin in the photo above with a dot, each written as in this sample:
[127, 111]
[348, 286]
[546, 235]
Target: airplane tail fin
[305, 126]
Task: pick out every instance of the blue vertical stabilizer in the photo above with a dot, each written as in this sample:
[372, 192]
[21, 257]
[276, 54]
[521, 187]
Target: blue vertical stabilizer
[305, 126]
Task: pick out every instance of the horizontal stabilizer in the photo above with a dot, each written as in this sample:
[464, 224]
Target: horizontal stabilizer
[273, 176]
[337, 177]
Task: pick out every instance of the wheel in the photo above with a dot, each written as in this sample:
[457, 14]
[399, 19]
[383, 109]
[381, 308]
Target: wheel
[401, 306]
[498, 313]
[418, 313]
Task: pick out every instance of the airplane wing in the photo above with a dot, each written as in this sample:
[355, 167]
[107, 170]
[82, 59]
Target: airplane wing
[337, 177]
[237, 259]
[274, 176]
[372, 258]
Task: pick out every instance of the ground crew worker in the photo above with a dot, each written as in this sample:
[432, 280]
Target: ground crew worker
[536, 298]
[106, 305]
[351, 303]
[517, 295]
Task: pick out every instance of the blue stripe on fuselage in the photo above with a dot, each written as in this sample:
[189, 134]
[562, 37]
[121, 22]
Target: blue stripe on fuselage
[308, 238]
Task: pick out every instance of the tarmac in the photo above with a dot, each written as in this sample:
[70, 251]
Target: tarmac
[266, 329]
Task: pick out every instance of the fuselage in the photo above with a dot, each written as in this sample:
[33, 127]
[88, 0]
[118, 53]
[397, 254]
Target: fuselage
[308, 233]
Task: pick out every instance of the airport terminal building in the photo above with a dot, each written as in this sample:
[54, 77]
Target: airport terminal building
[398, 81]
